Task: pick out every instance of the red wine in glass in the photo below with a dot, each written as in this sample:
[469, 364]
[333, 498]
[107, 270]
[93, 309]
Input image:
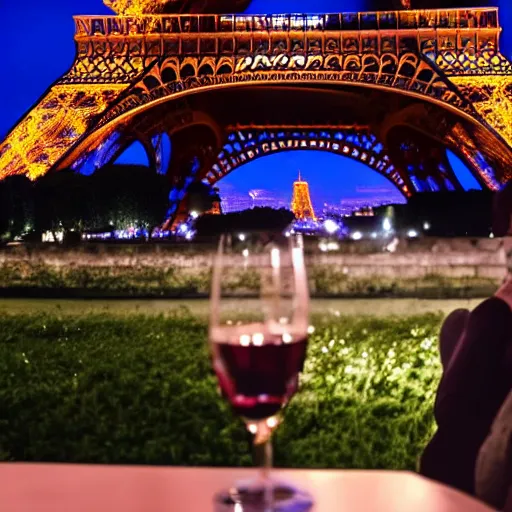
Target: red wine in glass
[259, 373]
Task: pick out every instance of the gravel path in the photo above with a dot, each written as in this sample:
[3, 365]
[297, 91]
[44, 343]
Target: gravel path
[377, 307]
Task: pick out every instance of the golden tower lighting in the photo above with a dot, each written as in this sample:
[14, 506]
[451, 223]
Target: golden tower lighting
[216, 208]
[301, 201]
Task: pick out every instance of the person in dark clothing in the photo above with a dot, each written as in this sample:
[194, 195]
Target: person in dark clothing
[472, 389]
[451, 331]
[477, 378]
[493, 475]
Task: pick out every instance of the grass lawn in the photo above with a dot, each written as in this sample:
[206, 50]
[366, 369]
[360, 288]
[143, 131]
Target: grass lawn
[140, 389]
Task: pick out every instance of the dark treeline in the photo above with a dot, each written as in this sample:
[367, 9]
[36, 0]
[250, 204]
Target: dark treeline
[116, 196]
[445, 213]
[257, 219]
[122, 196]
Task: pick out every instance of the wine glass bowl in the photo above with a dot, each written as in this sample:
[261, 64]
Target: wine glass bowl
[258, 370]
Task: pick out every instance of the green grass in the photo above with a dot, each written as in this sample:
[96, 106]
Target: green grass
[140, 390]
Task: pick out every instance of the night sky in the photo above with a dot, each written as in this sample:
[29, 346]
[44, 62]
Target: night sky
[39, 36]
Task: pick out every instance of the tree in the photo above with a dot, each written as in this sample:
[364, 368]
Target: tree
[446, 213]
[128, 195]
[62, 202]
[16, 206]
[116, 196]
[257, 219]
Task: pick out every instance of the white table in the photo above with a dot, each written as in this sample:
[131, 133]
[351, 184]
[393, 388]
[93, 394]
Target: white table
[89, 488]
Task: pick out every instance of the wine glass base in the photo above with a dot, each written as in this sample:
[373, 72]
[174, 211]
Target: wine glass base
[255, 496]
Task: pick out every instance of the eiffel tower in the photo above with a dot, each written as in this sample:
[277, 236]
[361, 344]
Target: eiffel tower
[301, 201]
[216, 208]
[393, 90]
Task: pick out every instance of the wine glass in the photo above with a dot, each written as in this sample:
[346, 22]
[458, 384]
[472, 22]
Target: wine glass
[258, 349]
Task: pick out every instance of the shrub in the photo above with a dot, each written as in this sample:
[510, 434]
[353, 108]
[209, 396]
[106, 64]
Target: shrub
[140, 389]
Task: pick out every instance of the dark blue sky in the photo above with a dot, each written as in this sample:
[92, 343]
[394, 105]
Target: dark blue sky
[39, 36]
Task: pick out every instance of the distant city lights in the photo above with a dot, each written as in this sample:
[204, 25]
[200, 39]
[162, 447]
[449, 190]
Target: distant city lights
[48, 236]
[393, 245]
[331, 227]
[237, 198]
[130, 233]
[328, 246]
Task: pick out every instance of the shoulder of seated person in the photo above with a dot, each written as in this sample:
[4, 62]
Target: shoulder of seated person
[494, 306]
[504, 293]
[492, 315]
[503, 421]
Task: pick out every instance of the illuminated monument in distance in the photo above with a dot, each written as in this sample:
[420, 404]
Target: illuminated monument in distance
[216, 208]
[301, 202]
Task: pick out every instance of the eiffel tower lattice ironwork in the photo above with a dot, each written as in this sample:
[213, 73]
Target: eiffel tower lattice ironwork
[302, 206]
[416, 83]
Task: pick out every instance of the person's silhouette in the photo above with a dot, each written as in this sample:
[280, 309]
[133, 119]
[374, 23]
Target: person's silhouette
[477, 374]
[493, 475]
[451, 331]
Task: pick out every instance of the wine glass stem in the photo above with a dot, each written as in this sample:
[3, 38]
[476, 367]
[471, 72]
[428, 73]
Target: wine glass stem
[263, 453]
[267, 459]
[263, 456]
[266, 468]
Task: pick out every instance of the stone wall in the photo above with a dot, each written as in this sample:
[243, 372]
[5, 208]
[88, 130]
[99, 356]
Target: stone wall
[442, 259]
[450, 258]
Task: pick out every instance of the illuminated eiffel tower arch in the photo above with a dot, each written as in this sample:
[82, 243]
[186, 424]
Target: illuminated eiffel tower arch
[247, 143]
[415, 82]
[301, 201]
